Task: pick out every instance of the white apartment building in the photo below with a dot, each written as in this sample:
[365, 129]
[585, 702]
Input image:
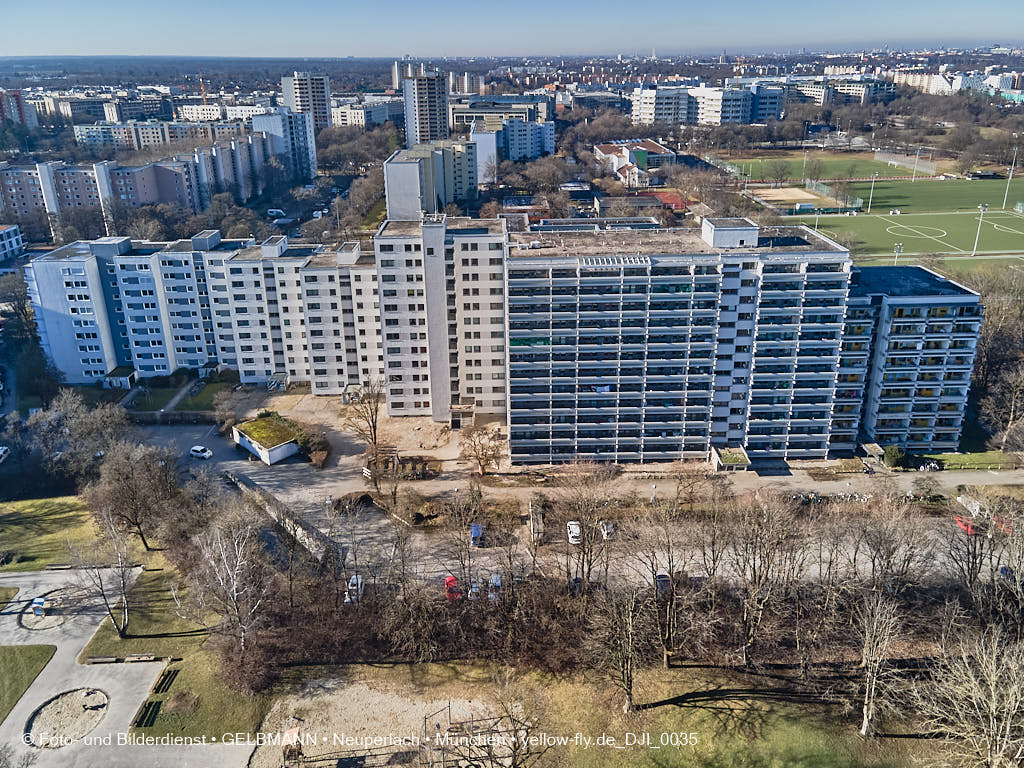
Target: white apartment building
[704, 105]
[308, 93]
[426, 108]
[11, 243]
[291, 136]
[154, 133]
[425, 178]
[628, 345]
[516, 140]
[441, 283]
[359, 115]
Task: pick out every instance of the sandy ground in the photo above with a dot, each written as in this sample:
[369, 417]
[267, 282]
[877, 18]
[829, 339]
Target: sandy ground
[787, 195]
[68, 717]
[359, 710]
[61, 602]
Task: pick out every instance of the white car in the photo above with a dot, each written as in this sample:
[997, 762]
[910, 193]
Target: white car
[574, 532]
[607, 528]
[4, 453]
[200, 452]
[354, 591]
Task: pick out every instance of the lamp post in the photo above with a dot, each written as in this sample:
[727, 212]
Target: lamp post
[897, 249]
[983, 207]
[916, 158]
[871, 196]
[1009, 177]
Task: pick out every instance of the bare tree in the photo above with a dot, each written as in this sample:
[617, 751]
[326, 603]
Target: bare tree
[815, 169]
[765, 554]
[1003, 409]
[138, 486]
[363, 415]
[974, 698]
[483, 446]
[231, 581]
[877, 625]
[106, 569]
[587, 497]
[777, 170]
[8, 759]
[617, 637]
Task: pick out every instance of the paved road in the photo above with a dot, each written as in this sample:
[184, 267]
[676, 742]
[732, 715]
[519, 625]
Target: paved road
[126, 685]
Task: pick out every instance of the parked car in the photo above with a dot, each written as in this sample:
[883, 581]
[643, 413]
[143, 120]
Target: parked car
[574, 532]
[474, 590]
[662, 585]
[494, 586]
[275, 213]
[317, 214]
[354, 591]
[4, 453]
[967, 526]
[607, 529]
[476, 535]
[451, 588]
[200, 452]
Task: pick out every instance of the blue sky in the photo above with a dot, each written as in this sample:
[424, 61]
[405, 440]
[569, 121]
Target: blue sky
[512, 27]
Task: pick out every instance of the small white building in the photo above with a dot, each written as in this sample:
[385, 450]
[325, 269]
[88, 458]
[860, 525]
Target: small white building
[269, 438]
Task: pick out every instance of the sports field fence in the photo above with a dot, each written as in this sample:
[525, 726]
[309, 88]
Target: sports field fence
[924, 167]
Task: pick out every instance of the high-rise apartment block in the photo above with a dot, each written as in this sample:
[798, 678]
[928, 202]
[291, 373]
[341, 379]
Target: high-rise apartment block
[11, 243]
[308, 94]
[291, 136]
[14, 107]
[425, 178]
[628, 345]
[135, 135]
[187, 180]
[516, 140]
[426, 108]
[464, 82]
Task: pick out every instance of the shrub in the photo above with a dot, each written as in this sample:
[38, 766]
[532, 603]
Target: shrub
[895, 456]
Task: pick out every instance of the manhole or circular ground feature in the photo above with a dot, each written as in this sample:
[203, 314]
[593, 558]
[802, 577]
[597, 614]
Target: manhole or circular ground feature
[59, 603]
[66, 718]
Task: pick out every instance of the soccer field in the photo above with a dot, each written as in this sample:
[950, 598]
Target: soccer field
[835, 165]
[931, 195]
[945, 233]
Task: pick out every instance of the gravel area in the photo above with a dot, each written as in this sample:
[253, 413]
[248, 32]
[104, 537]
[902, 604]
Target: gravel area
[360, 710]
[67, 718]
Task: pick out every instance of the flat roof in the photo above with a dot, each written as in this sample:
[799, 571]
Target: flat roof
[909, 281]
[457, 224]
[676, 240]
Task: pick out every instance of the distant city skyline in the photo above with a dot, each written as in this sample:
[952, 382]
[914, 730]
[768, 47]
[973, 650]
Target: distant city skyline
[318, 28]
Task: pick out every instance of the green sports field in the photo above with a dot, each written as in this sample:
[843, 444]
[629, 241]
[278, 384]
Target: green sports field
[835, 165]
[931, 195]
[941, 232]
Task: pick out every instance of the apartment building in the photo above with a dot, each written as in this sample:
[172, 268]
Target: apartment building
[425, 178]
[704, 105]
[516, 140]
[636, 345]
[914, 334]
[11, 243]
[187, 180]
[135, 135]
[362, 115]
[442, 317]
[464, 82]
[493, 111]
[655, 346]
[14, 107]
[308, 93]
[292, 138]
[426, 108]
[123, 110]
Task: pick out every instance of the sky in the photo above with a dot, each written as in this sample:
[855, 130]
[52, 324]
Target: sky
[388, 28]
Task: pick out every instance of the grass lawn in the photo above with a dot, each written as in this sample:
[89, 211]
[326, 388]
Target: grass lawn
[6, 595]
[204, 400]
[94, 396]
[836, 165]
[43, 531]
[943, 195]
[943, 233]
[740, 721]
[155, 399]
[197, 702]
[978, 460]
[19, 666]
[375, 215]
